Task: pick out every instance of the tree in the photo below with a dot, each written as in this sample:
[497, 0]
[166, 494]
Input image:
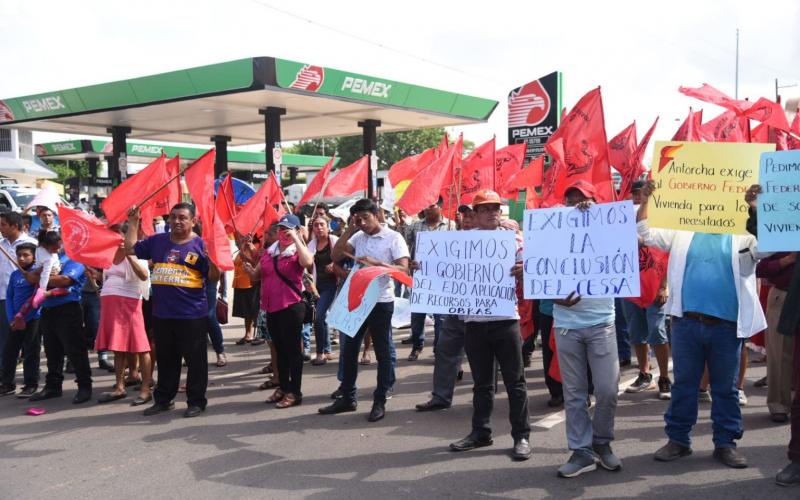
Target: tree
[392, 146]
[66, 170]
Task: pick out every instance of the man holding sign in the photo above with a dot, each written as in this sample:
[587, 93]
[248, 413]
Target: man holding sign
[495, 337]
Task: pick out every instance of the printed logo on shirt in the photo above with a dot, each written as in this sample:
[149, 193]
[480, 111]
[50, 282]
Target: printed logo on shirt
[174, 256]
[176, 275]
[191, 258]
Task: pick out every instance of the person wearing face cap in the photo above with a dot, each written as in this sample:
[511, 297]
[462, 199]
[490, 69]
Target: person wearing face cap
[281, 274]
[586, 339]
[487, 338]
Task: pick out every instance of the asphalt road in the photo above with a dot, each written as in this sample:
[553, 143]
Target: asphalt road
[243, 448]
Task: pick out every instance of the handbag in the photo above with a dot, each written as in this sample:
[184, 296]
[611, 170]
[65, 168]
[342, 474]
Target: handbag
[305, 297]
[222, 311]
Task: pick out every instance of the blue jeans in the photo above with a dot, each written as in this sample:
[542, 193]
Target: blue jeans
[306, 332]
[214, 330]
[695, 344]
[646, 325]
[418, 329]
[623, 342]
[379, 323]
[321, 332]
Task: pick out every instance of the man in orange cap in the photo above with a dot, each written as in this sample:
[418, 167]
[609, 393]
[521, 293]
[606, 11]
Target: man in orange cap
[490, 337]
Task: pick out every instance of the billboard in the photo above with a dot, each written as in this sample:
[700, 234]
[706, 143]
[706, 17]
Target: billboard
[533, 113]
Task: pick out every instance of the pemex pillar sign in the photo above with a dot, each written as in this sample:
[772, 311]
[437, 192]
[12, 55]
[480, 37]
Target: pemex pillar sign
[534, 112]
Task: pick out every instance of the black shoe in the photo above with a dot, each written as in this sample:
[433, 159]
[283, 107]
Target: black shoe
[460, 375]
[643, 382]
[625, 362]
[337, 394]
[414, 354]
[522, 449]
[789, 476]
[779, 418]
[526, 360]
[69, 368]
[193, 411]
[158, 408]
[6, 389]
[45, 394]
[730, 457]
[103, 364]
[470, 443]
[306, 356]
[378, 412]
[432, 405]
[671, 451]
[555, 401]
[27, 391]
[407, 341]
[83, 395]
[341, 405]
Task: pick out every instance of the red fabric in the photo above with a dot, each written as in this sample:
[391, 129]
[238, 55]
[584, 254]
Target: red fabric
[555, 368]
[200, 181]
[317, 183]
[364, 276]
[476, 173]
[637, 168]
[760, 133]
[121, 327]
[443, 146]
[225, 204]
[584, 149]
[350, 179]
[270, 217]
[86, 238]
[793, 142]
[652, 269]
[426, 187]
[768, 112]
[690, 128]
[133, 190]
[528, 179]
[250, 215]
[727, 127]
[408, 168]
[525, 310]
[708, 93]
[507, 162]
[621, 149]
[760, 338]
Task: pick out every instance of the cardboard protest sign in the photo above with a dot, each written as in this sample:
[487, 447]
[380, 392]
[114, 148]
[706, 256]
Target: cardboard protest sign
[779, 202]
[345, 320]
[700, 185]
[465, 272]
[593, 252]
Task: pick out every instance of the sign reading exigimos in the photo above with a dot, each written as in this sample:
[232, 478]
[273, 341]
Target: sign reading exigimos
[700, 186]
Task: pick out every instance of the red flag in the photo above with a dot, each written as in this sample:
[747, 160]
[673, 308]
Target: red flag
[585, 149]
[621, 150]
[251, 213]
[408, 168]
[794, 142]
[86, 239]
[555, 148]
[708, 93]
[317, 183]
[637, 167]
[164, 200]
[507, 162]
[690, 128]
[768, 112]
[443, 146]
[476, 173]
[133, 190]
[270, 217]
[426, 187]
[652, 269]
[364, 276]
[225, 204]
[760, 133]
[350, 179]
[528, 179]
[200, 181]
[727, 127]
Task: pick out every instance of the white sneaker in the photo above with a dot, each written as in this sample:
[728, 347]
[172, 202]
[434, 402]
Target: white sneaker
[742, 398]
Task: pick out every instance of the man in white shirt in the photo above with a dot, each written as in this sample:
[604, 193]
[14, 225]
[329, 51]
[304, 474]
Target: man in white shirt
[372, 244]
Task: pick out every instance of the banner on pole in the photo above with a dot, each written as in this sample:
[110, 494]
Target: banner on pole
[779, 202]
[465, 273]
[593, 252]
[700, 186]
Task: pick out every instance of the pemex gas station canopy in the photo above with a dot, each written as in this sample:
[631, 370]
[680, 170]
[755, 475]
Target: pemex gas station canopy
[224, 100]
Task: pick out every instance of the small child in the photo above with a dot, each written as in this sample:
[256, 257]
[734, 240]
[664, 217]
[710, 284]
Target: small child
[47, 260]
[24, 332]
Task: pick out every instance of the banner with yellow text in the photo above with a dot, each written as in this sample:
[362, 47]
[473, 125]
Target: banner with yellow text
[700, 185]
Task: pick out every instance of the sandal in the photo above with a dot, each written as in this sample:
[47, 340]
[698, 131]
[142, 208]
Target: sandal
[269, 384]
[108, 397]
[243, 341]
[319, 360]
[267, 369]
[129, 382]
[278, 395]
[288, 401]
[365, 359]
[258, 342]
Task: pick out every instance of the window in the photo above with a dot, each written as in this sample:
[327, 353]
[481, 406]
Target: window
[5, 140]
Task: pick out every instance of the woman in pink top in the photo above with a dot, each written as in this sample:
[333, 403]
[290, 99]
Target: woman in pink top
[281, 299]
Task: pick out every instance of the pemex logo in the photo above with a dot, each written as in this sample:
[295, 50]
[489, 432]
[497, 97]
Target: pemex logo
[5, 113]
[528, 106]
[309, 78]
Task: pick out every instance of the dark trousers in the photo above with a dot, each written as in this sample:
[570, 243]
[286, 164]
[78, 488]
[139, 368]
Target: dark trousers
[286, 327]
[62, 333]
[483, 343]
[794, 443]
[554, 387]
[90, 303]
[176, 339]
[379, 323]
[30, 341]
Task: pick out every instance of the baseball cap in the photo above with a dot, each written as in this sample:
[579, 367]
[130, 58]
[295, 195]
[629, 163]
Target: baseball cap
[289, 221]
[582, 186]
[486, 197]
[637, 185]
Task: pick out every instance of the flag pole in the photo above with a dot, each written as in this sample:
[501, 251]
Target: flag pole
[151, 195]
[13, 260]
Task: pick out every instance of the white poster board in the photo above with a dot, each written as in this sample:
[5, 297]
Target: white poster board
[348, 322]
[593, 252]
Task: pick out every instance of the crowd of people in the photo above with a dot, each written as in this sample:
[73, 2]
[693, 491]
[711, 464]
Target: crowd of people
[155, 308]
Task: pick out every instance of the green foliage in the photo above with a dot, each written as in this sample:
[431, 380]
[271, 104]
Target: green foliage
[66, 171]
[392, 146]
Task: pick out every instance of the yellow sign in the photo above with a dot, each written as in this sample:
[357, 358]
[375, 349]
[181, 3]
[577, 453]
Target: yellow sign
[700, 185]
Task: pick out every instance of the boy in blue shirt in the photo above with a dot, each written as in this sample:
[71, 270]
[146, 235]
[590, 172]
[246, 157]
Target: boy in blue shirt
[24, 333]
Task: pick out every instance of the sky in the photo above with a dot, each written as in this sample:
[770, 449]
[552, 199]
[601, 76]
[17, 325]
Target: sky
[638, 52]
